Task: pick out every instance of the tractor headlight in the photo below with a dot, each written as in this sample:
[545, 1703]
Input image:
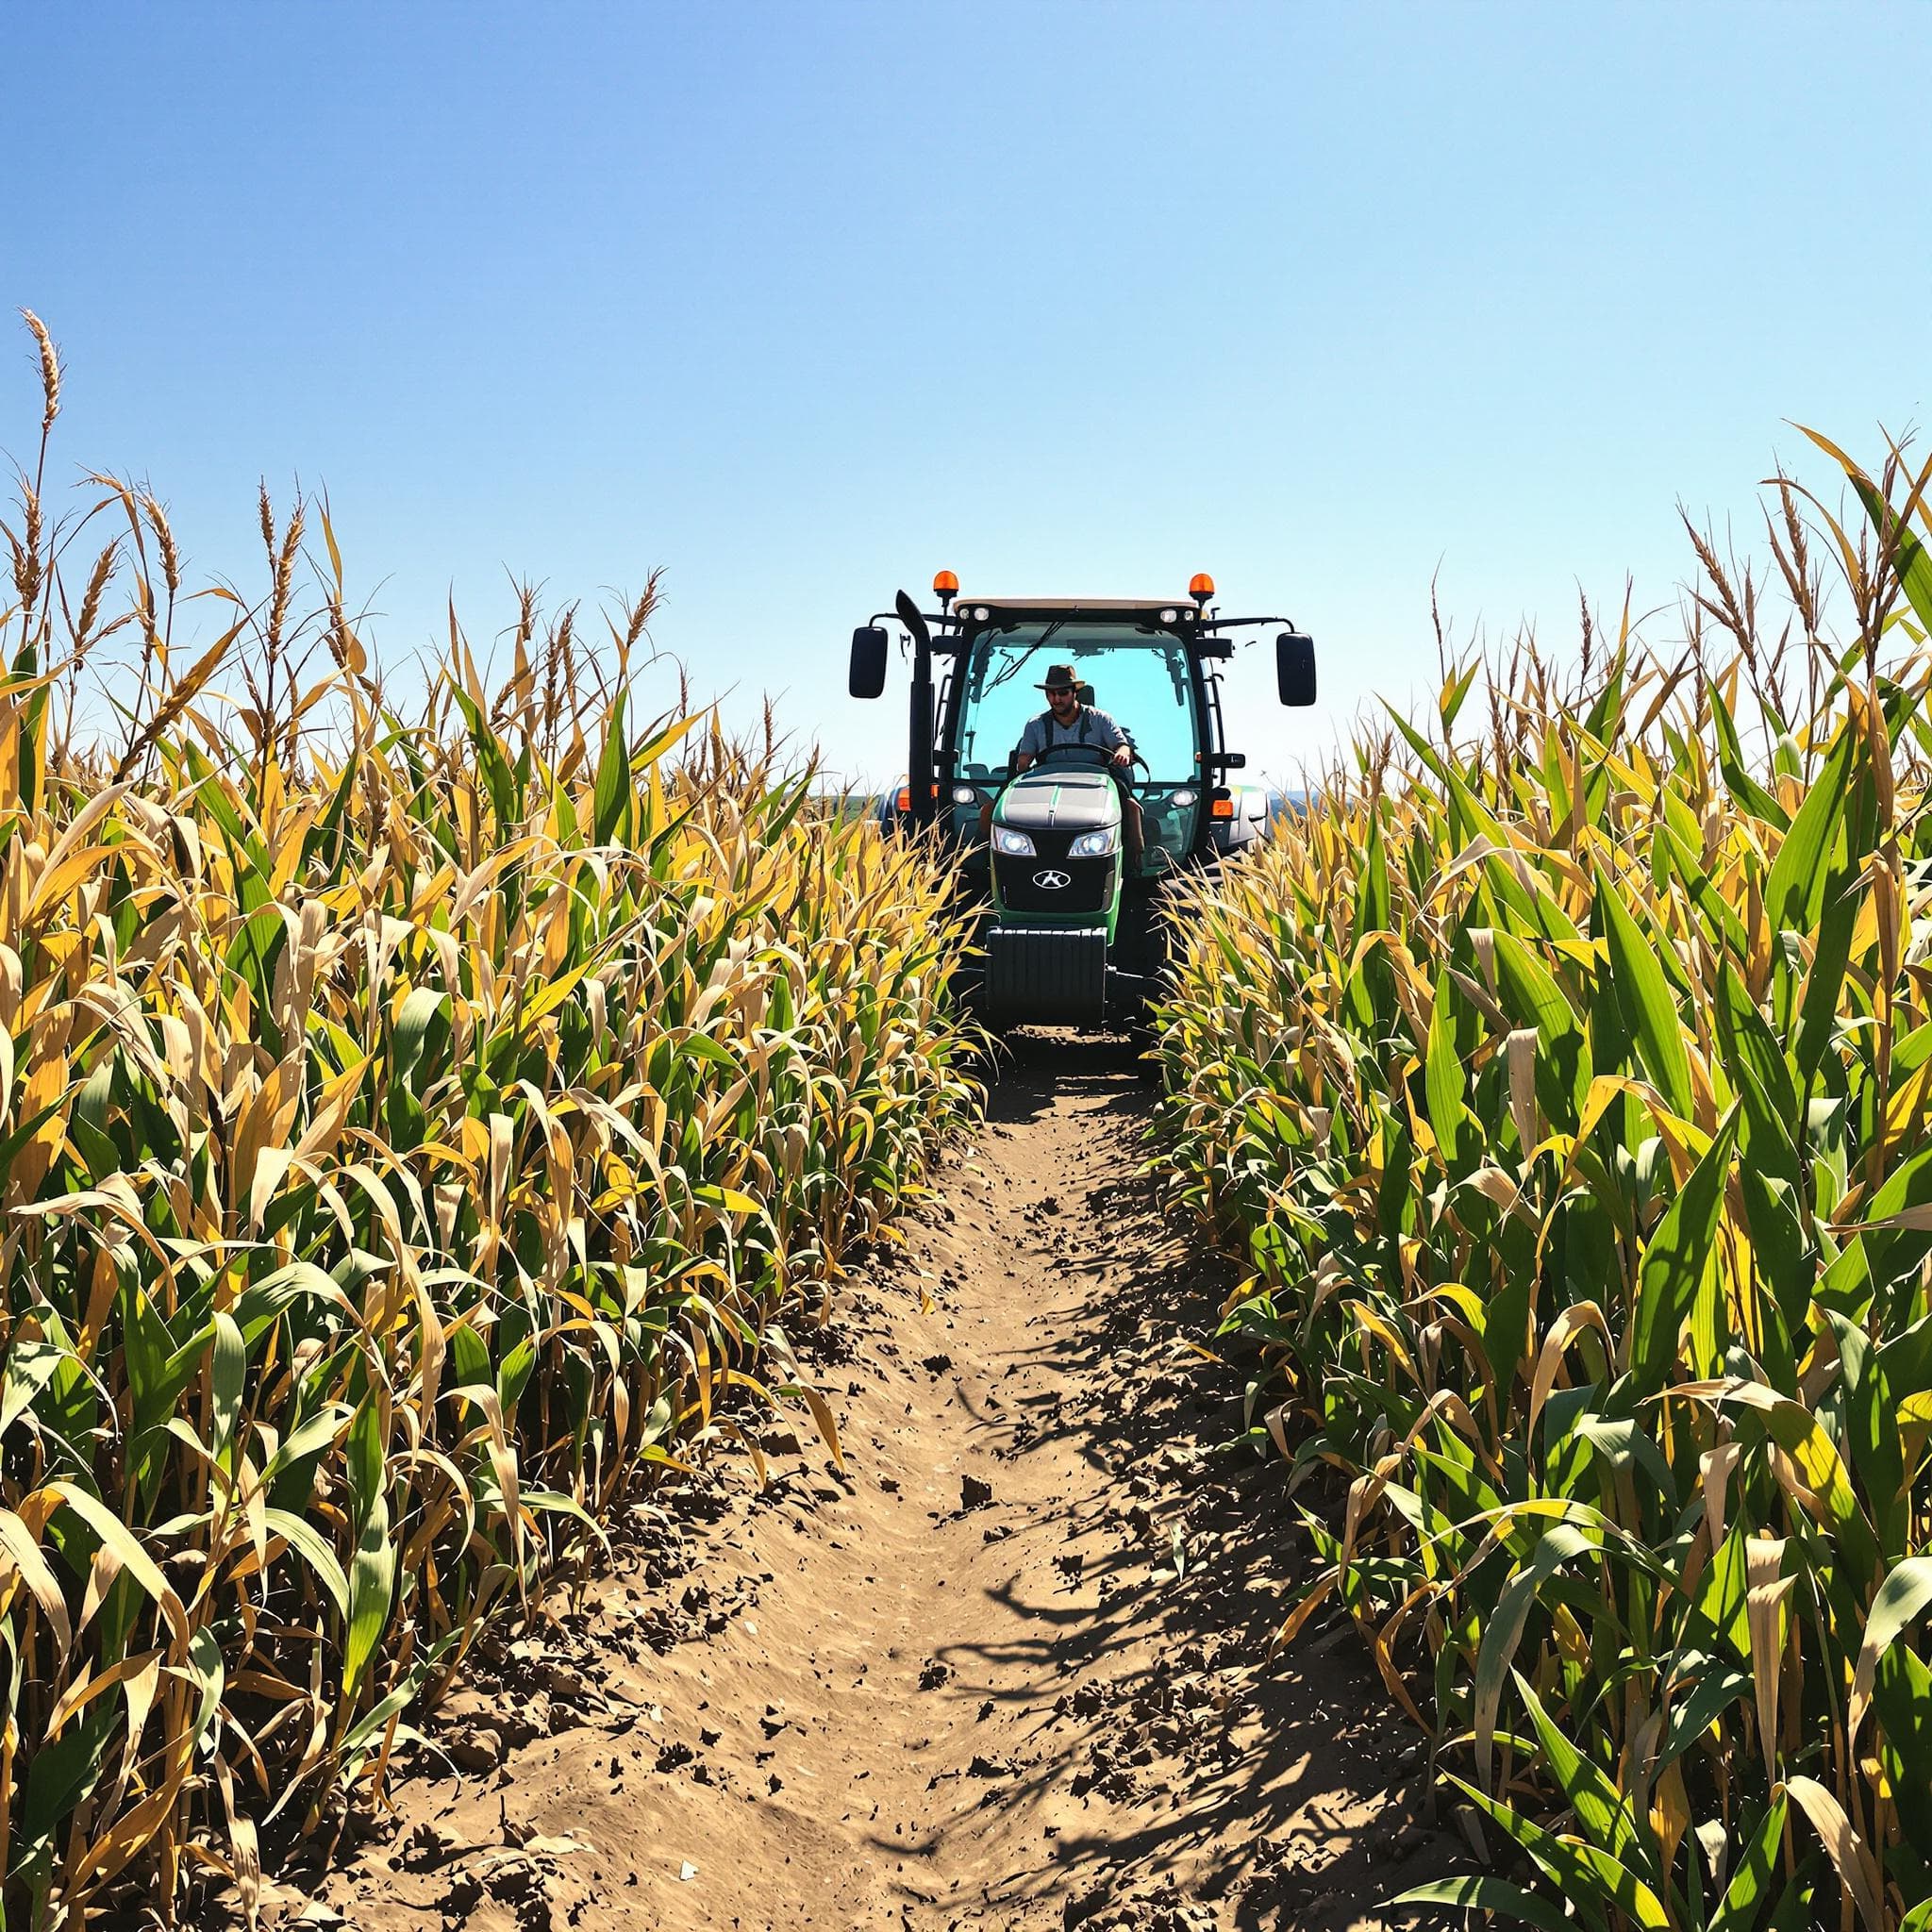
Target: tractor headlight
[1016, 844]
[1183, 798]
[1093, 845]
[964, 795]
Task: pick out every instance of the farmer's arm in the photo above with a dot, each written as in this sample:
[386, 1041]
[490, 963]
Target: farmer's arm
[1110, 735]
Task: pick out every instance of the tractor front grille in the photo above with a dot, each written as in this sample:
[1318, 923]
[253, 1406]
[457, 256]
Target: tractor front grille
[1051, 882]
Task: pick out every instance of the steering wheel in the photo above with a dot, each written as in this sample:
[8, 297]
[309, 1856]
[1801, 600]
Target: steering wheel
[1097, 756]
[1087, 754]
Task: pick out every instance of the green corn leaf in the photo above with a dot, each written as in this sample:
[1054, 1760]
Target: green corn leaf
[1902, 1596]
[306, 1439]
[211, 1679]
[1504, 1630]
[1799, 1433]
[1890, 1257]
[30, 1365]
[1754, 1884]
[1489, 1895]
[552, 1503]
[302, 1536]
[1532, 994]
[1523, 893]
[1676, 1282]
[372, 1570]
[1623, 1441]
[1443, 1080]
[423, 1013]
[1471, 817]
[262, 1302]
[364, 1735]
[1605, 714]
[1902, 1696]
[610, 811]
[1718, 1687]
[1869, 1434]
[1645, 996]
[1455, 691]
[1603, 1812]
[1589, 1879]
[1800, 875]
[666, 740]
[1824, 989]
[59, 1777]
[228, 1372]
[1722, 922]
[498, 779]
[1744, 789]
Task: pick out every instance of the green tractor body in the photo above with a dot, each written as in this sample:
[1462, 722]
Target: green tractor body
[1073, 928]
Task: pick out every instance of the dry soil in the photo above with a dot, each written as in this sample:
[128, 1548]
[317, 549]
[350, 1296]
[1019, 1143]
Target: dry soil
[1010, 1666]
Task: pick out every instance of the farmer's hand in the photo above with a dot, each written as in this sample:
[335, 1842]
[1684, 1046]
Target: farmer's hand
[1122, 754]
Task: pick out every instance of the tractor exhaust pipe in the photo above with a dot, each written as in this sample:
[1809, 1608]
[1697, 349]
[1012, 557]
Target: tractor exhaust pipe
[919, 769]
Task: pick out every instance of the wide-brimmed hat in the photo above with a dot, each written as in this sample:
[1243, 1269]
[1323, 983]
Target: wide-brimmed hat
[1058, 677]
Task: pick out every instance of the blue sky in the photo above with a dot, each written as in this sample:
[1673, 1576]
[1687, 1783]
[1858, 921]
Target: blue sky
[804, 301]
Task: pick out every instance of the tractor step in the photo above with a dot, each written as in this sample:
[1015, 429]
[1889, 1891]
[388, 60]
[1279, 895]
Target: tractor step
[1051, 976]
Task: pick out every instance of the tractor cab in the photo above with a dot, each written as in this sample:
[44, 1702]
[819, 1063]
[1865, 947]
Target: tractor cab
[1073, 855]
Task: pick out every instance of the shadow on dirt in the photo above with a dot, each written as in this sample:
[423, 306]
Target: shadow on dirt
[1036, 1068]
[1273, 1754]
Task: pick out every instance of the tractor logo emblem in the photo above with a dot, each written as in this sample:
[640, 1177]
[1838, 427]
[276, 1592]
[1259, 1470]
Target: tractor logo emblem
[1051, 881]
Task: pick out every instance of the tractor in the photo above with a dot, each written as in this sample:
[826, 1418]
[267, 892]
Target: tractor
[1073, 932]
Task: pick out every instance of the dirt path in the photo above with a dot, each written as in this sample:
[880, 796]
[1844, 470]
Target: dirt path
[960, 1685]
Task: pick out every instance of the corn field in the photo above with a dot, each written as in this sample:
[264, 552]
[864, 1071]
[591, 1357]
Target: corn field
[413, 1132]
[1565, 1083]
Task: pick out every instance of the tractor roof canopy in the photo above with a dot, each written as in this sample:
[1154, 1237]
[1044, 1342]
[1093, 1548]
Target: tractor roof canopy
[964, 608]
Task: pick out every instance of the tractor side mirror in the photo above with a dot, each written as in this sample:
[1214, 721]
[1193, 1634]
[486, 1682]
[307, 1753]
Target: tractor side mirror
[868, 675]
[1294, 668]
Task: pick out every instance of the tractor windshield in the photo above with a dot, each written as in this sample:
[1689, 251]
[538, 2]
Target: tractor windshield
[1140, 678]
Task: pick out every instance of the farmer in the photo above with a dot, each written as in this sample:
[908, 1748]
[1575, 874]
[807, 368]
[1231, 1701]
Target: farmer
[1067, 721]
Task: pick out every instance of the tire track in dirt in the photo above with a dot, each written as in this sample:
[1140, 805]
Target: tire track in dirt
[961, 1683]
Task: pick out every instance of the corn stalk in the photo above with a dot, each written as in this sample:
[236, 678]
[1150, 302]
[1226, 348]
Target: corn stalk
[1566, 1086]
[415, 1134]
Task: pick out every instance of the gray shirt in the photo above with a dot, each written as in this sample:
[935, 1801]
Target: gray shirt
[1089, 727]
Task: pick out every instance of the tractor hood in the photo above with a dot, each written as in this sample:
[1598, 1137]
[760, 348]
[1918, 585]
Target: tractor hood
[1071, 801]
